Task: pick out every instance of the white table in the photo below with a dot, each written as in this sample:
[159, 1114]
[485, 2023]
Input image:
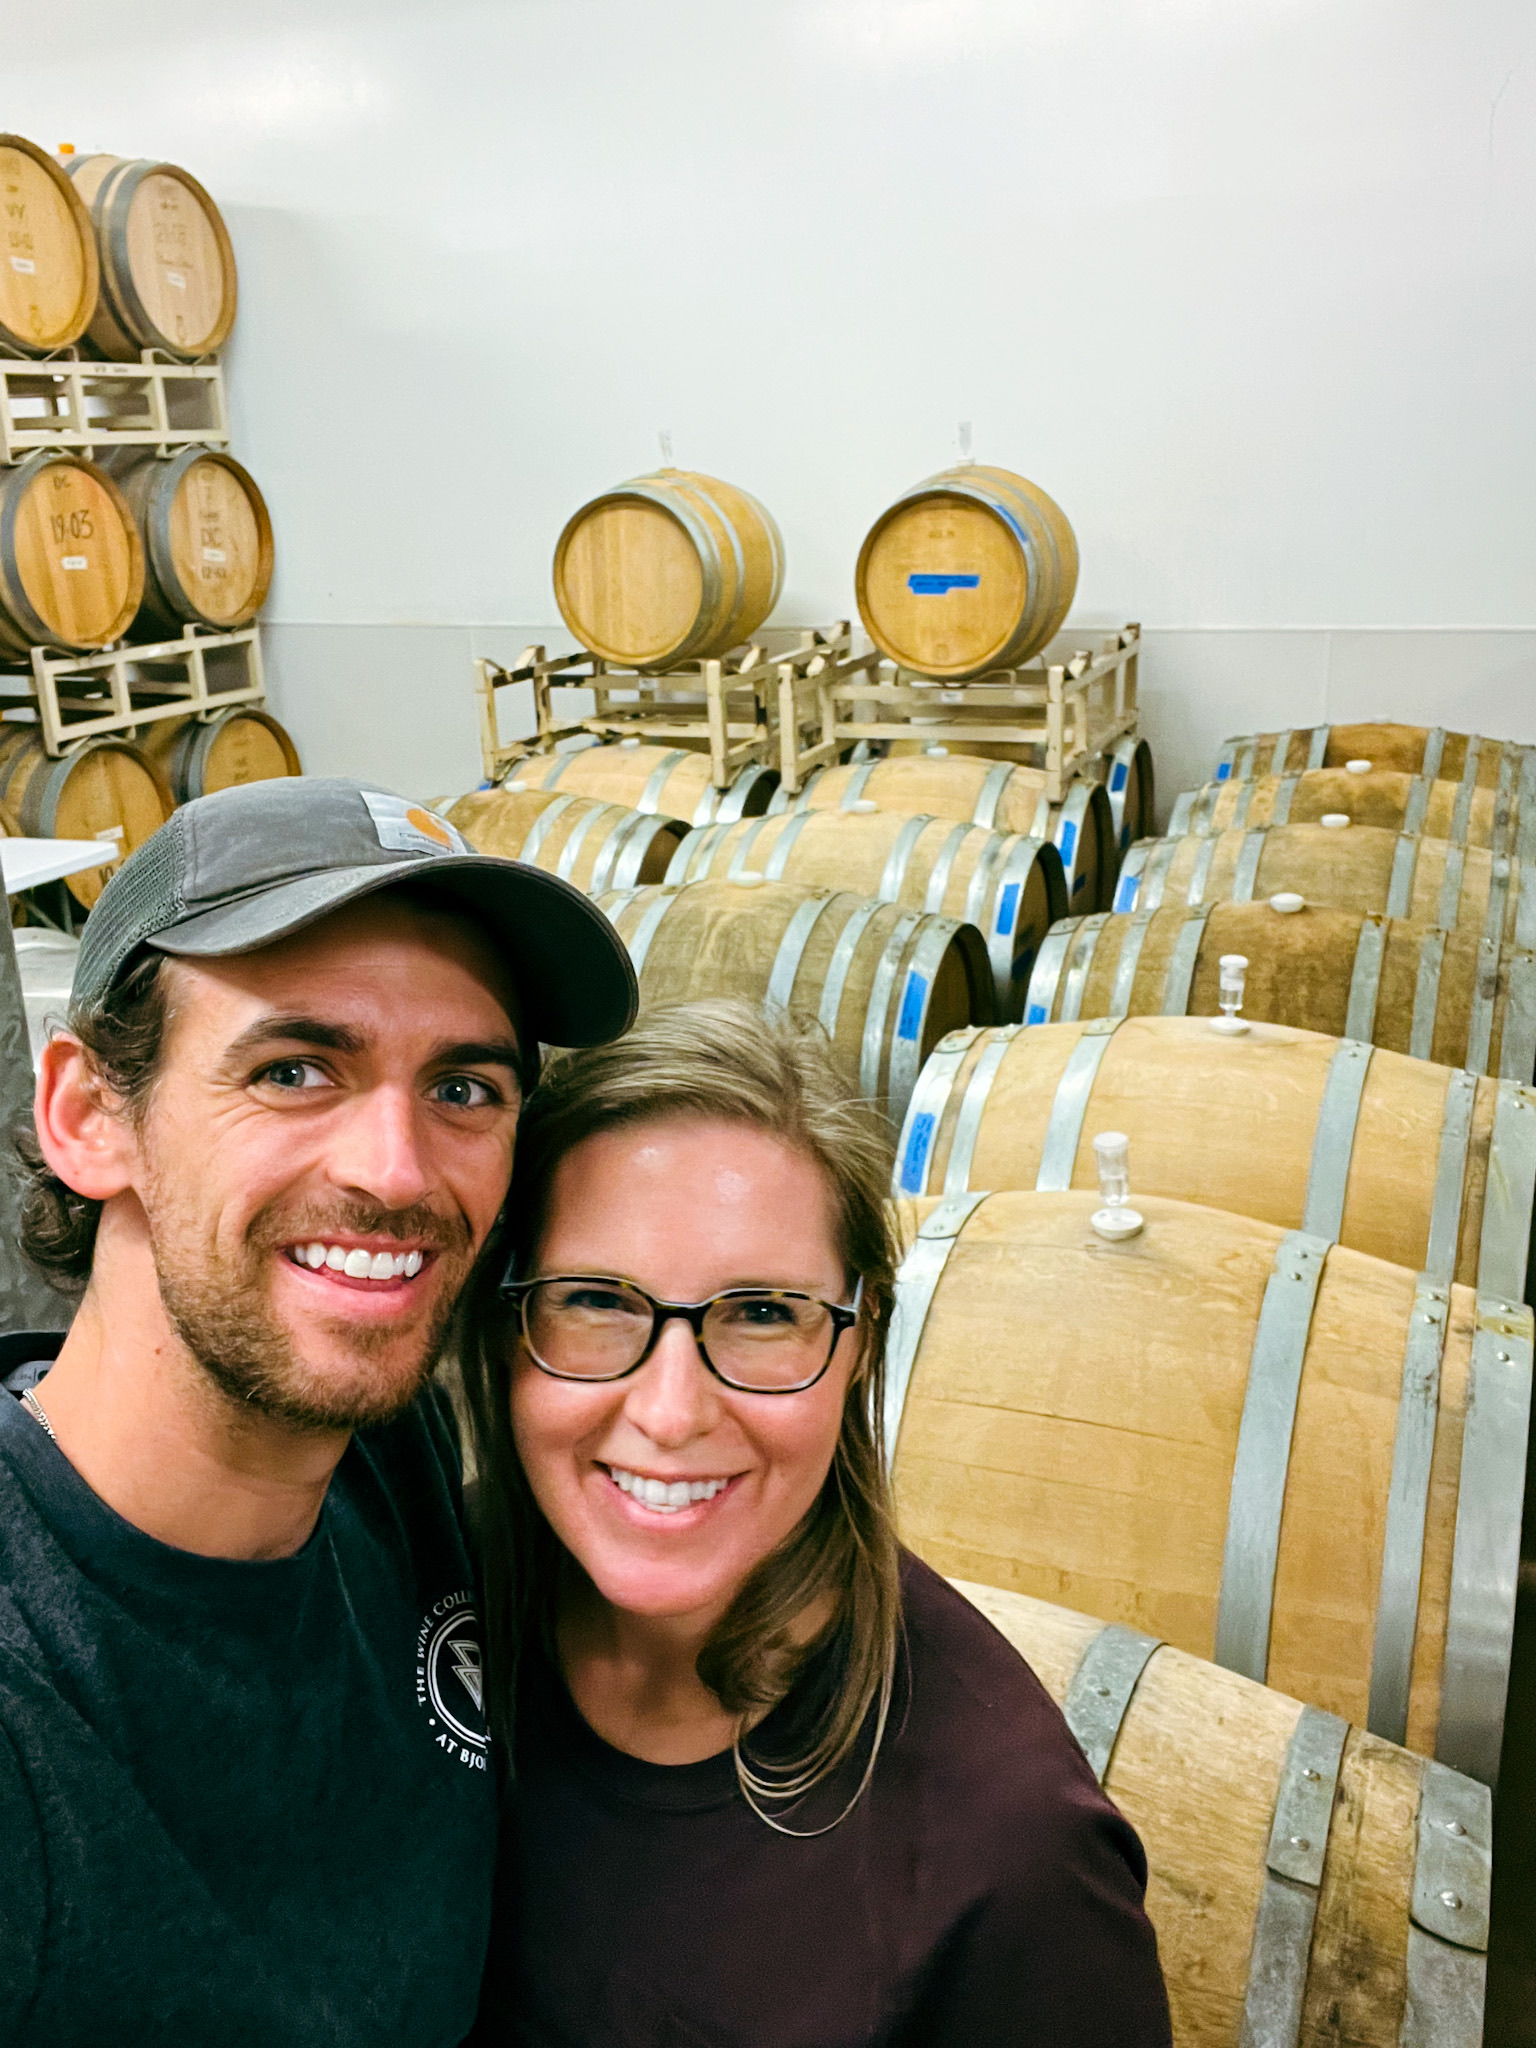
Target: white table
[25, 863]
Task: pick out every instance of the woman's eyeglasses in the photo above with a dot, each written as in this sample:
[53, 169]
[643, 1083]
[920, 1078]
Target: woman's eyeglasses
[760, 1340]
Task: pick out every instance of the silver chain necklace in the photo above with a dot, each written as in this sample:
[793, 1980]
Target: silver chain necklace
[33, 1406]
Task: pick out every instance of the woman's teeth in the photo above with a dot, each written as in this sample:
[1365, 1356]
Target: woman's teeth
[662, 1496]
[357, 1264]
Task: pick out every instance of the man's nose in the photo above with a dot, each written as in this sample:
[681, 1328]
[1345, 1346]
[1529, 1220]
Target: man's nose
[674, 1397]
[378, 1149]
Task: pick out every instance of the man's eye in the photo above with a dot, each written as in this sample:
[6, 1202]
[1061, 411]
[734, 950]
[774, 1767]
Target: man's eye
[294, 1074]
[463, 1091]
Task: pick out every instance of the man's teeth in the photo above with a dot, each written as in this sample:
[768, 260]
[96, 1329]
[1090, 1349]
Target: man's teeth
[358, 1264]
[662, 1496]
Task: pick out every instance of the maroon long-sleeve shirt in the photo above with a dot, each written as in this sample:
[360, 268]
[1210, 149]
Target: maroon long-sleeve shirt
[983, 1890]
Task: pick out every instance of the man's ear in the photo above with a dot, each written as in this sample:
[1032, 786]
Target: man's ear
[82, 1132]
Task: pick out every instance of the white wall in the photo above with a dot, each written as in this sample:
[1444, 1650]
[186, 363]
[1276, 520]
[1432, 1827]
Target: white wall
[1249, 285]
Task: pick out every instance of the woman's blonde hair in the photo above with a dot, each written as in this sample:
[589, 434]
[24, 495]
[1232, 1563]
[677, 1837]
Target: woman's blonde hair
[721, 1060]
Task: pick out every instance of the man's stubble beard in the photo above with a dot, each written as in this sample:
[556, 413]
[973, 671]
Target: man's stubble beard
[222, 1312]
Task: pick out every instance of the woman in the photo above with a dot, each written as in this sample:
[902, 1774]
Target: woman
[773, 1781]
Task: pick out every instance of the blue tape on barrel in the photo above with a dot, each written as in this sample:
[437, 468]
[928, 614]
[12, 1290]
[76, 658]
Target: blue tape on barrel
[1037, 1013]
[1067, 842]
[915, 1160]
[1117, 778]
[1224, 771]
[912, 1001]
[939, 583]
[1007, 906]
[1125, 895]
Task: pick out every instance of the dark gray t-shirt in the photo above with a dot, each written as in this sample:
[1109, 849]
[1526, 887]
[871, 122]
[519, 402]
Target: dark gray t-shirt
[242, 1803]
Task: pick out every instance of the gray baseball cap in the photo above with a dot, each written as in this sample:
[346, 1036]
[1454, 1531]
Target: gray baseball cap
[231, 872]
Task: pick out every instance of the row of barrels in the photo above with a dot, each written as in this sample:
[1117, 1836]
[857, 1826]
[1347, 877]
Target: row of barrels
[968, 572]
[121, 791]
[139, 545]
[124, 254]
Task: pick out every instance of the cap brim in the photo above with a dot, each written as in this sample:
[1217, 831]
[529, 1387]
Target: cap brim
[575, 981]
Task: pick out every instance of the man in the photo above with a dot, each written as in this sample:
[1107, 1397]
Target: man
[244, 1789]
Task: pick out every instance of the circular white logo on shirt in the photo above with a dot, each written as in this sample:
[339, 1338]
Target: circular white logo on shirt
[450, 1682]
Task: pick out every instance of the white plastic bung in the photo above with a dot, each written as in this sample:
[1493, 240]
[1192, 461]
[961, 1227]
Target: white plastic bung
[1287, 902]
[1357, 767]
[1334, 820]
[864, 803]
[1234, 968]
[938, 753]
[1116, 1220]
[748, 877]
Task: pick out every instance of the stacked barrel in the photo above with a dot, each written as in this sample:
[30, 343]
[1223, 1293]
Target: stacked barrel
[888, 898]
[1271, 1407]
[128, 261]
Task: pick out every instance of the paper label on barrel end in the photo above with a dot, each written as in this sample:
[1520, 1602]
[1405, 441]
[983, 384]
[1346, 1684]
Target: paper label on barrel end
[175, 277]
[25, 265]
[74, 561]
[213, 554]
[113, 833]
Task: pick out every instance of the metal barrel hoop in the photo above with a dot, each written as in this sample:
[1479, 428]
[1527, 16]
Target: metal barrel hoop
[1181, 963]
[1280, 806]
[1485, 1560]
[1402, 1551]
[838, 966]
[1333, 1138]
[1405, 860]
[1434, 753]
[1040, 998]
[1069, 1105]
[736, 867]
[783, 846]
[657, 780]
[1279, 760]
[539, 831]
[797, 933]
[1280, 1959]
[1426, 994]
[990, 795]
[1128, 886]
[1200, 871]
[645, 930]
[938, 880]
[1485, 995]
[1440, 1259]
[1251, 1552]
[887, 971]
[1246, 872]
[1102, 1688]
[570, 853]
[1449, 1913]
[914, 1150]
[962, 1150]
[853, 791]
[1082, 960]
[894, 873]
[1365, 980]
[916, 1284]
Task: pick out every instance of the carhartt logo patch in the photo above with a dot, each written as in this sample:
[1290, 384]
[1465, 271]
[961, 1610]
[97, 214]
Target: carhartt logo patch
[407, 828]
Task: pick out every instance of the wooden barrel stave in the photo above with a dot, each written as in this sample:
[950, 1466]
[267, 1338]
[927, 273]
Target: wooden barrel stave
[885, 983]
[71, 562]
[1411, 988]
[1430, 751]
[997, 794]
[971, 570]
[168, 277]
[207, 539]
[1010, 888]
[1390, 1155]
[1071, 1427]
[240, 745]
[107, 789]
[1360, 867]
[593, 844]
[668, 568]
[672, 782]
[1460, 812]
[49, 282]
[1197, 1759]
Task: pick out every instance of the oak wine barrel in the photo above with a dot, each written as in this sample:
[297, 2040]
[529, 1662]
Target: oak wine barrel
[71, 563]
[1427, 1166]
[1353, 867]
[672, 782]
[1408, 987]
[1429, 751]
[885, 983]
[207, 539]
[668, 568]
[235, 746]
[971, 570]
[1011, 889]
[106, 789]
[1465, 813]
[593, 844]
[1309, 1882]
[167, 267]
[997, 794]
[48, 279]
[1302, 1462]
